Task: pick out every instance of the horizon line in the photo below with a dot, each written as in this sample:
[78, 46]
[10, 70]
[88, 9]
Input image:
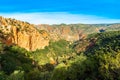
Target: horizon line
[59, 18]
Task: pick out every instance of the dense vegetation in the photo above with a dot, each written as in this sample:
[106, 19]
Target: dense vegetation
[59, 60]
[106, 42]
[99, 61]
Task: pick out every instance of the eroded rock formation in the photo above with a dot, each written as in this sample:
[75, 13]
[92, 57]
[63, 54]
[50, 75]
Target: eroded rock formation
[22, 34]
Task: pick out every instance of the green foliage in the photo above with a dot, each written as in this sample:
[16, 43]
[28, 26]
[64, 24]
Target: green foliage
[106, 42]
[101, 63]
[81, 68]
[14, 59]
[37, 75]
[109, 66]
[60, 47]
[54, 50]
[60, 73]
[102, 67]
[3, 76]
[16, 75]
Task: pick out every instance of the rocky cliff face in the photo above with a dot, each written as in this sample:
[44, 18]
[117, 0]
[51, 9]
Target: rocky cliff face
[67, 32]
[74, 32]
[22, 34]
[57, 33]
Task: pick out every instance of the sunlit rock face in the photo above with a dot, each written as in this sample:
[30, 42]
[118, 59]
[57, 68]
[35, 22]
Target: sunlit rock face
[60, 32]
[22, 34]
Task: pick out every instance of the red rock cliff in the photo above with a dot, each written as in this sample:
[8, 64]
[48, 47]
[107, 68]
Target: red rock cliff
[23, 34]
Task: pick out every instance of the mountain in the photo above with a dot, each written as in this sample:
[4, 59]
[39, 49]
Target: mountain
[67, 32]
[23, 34]
[74, 32]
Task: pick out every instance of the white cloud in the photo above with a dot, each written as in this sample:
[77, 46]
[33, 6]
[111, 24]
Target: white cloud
[58, 18]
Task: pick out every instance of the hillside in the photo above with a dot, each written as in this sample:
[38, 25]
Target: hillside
[105, 42]
[98, 61]
[22, 34]
[99, 42]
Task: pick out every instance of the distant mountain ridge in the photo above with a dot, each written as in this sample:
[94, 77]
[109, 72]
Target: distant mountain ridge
[73, 32]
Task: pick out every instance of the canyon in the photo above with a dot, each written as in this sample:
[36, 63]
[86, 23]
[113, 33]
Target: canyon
[33, 37]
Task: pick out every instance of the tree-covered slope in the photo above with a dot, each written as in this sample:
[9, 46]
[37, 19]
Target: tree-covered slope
[100, 61]
[105, 42]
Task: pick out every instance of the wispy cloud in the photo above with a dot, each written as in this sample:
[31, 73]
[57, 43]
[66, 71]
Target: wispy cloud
[58, 18]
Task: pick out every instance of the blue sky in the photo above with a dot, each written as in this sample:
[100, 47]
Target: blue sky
[62, 11]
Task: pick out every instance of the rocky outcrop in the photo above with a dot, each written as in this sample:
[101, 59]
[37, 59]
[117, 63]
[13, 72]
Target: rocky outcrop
[30, 41]
[71, 32]
[60, 32]
[23, 34]
[74, 32]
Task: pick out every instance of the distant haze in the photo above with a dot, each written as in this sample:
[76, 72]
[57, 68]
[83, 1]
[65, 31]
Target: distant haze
[59, 17]
[62, 11]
